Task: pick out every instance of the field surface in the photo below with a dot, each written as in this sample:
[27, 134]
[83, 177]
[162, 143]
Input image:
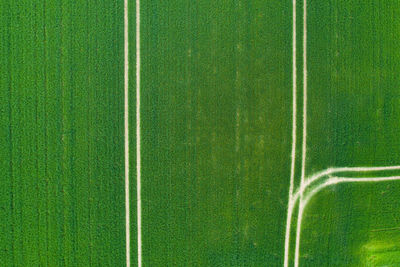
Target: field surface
[61, 104]
[269, 133]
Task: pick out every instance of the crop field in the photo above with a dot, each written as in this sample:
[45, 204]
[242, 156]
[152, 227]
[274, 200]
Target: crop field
[200, 133]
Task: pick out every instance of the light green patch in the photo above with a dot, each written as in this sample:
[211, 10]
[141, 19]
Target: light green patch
[383, 250]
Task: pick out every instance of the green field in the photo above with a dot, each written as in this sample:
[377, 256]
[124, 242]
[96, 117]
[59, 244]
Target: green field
[61, 104]
[229, 165]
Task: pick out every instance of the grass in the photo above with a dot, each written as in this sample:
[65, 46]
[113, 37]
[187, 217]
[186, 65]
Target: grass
[353, 116]
[216, 132]
[216, 114]
[61, 108]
